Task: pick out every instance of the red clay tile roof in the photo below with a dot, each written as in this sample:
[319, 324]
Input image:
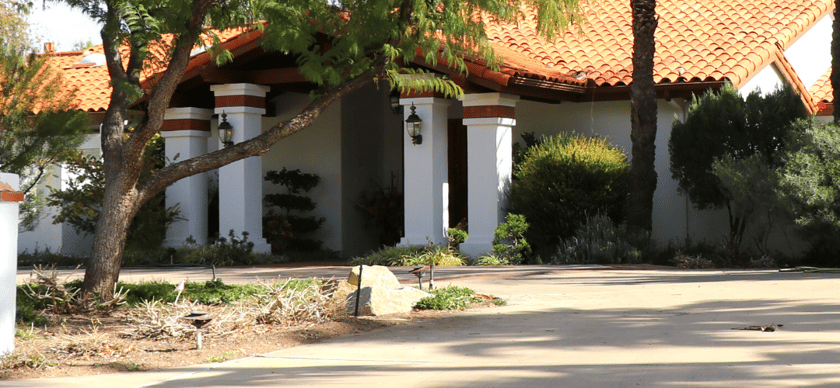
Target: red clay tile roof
[697, 40]
[93, 82]
[823, 94]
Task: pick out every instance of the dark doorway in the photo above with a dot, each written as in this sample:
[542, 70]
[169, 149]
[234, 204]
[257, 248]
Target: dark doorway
[457, 138]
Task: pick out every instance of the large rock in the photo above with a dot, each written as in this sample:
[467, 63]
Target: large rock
[381, 292]
[384, 301]
[374, 276]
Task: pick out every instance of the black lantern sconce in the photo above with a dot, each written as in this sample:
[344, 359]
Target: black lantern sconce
[413, 125]
[225, 131]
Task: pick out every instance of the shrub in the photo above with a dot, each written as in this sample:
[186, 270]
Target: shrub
[223, 251]
[509, 241]
[598, 241]
[723, 124]
[456, 237]
[284, 230]
[564, 178]
[810, 188]
[492, 259]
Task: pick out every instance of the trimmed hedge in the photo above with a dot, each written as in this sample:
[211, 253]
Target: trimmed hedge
[563, 180]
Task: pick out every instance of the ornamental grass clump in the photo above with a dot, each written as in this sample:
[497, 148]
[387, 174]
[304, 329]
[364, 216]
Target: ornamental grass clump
[564, 178]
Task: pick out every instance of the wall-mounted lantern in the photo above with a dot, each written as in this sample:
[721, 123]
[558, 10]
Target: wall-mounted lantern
[413, 125]
[225, 131]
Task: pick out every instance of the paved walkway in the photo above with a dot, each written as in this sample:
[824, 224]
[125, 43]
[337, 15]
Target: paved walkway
[567, 327]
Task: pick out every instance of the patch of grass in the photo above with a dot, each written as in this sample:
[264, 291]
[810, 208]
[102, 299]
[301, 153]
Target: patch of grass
[139, 293]
[215, 291]
[448, 298]
[219, 357]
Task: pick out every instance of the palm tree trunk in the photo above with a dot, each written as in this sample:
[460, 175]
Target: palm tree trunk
[642, 116]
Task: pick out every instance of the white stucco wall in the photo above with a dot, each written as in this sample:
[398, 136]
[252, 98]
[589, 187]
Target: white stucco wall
[766, 81]
[810, 56]
[317, 150]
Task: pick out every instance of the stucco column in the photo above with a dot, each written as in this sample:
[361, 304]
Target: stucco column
[240, 183]
[426, 174]
[185, 131]
[489, 118]
[10, 199]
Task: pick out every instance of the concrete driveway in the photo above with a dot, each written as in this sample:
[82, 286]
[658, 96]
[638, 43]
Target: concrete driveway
[568, 328]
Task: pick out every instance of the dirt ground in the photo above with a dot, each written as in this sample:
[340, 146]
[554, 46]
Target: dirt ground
[82, 345]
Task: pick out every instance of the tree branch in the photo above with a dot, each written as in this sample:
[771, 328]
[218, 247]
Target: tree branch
[253, 147]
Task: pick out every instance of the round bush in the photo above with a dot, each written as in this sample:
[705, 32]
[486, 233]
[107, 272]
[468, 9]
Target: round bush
[563, 180]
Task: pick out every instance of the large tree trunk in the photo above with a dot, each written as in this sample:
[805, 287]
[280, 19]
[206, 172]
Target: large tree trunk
[642, 116]
[835, 59]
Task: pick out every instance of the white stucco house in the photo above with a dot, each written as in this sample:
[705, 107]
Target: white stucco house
[578, 83]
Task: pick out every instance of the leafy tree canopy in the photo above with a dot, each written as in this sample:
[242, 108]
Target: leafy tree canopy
[30, 144]
[720, 123]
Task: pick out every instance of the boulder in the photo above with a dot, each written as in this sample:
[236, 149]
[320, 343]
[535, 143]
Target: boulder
[377, 301]
[374, 276]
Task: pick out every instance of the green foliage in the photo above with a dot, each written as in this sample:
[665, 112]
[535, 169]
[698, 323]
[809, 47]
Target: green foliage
[509, 241]
[448, 298]
[283, 229]
[456, 237]
[384, 211]
[148, 291]
[724, 125]
[222, 251]
[31, 145]
[390, 256]
[563, 179]
[215, 291]
[751, 184]
[810, 188]
[47, 257]
[27, 308]
[80, 205]
[521, 151]
[599, 241]
[413, 255]
[492, 259]
[438, 255]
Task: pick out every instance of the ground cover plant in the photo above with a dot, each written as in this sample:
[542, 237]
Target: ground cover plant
[449, 298]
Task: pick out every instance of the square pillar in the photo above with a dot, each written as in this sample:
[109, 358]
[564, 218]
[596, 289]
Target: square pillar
[426, 174]
[10, 199]
[240, 183]
[185, 132]
[489, 118]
